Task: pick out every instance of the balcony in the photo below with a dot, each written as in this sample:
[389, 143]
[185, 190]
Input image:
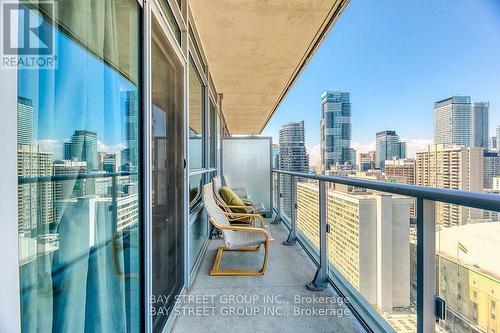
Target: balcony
[318, 243]
[106, 154]
[277, 301]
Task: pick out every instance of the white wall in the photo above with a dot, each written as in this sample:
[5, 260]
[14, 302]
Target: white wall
[367, 253]
[9, 278]
[401, 252]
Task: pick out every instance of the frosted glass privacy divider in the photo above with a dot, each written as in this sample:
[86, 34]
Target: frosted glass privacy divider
[246, 164]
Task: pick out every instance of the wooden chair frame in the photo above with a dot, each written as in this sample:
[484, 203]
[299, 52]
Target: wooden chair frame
[216, 271]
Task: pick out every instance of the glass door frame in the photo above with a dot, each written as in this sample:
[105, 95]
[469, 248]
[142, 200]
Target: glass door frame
[153, 10]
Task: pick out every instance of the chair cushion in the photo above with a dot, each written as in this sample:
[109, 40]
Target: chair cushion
[231, 199]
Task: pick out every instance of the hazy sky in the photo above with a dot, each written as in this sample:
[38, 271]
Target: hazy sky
[397, 58]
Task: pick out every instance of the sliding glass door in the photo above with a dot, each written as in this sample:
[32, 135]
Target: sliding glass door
[167, 177]
[79, 194]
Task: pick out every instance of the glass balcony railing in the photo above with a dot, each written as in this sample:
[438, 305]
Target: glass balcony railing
[400, 254]
[82, 246]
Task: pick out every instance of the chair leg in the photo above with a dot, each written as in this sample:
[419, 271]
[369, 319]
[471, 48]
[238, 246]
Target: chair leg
[216, 271]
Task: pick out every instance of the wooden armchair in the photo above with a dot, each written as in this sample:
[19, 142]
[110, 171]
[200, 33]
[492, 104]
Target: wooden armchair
[236, 238]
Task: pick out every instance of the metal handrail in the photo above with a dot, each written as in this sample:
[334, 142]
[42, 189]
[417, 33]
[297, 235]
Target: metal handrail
[71, 176]
[458, 197]
[429, 305]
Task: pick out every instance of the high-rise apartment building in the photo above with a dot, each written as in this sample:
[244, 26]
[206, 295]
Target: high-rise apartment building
[402, 171]
[454, 167]
[335, 127]
[388, 146]
[64, 190]
[480, 116]
[368, 240]
[292, 156]
[25, 121]
[35, 203]
[453, 121]
[83, 147]
[491, 167]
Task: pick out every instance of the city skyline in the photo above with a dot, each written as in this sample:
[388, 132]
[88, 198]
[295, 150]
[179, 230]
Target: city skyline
[391, 94]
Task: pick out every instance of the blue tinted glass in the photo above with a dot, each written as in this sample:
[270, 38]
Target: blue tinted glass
[78, 157]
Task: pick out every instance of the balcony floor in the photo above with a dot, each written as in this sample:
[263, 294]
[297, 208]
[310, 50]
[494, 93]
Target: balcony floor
[288, 271]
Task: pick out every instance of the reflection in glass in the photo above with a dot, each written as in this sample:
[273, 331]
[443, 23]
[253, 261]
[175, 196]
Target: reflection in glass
[196, 98]
[79, 251]
[212, 136]
[195, 187]
[198, 233]
[167, 177]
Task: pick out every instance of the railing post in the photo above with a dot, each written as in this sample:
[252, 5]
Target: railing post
[320, 281]
[292, 236]
[426, 266]
[114, 203]
[277, 219]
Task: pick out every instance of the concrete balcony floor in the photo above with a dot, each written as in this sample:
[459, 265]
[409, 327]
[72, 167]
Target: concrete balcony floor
[268, 303]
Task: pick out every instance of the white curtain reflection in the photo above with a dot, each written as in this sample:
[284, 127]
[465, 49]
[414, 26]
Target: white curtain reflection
[78, 238]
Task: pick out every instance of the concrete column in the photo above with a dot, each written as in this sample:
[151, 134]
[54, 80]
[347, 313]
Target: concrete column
[384, 251]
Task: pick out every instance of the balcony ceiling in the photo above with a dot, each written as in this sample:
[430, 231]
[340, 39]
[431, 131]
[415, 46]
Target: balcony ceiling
[256, 49]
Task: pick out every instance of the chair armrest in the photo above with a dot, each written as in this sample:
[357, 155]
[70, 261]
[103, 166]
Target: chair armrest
[241, 215]
[251, 229]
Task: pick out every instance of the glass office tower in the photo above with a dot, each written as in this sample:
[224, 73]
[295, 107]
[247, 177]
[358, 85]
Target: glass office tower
[388, 146]
[335, 136]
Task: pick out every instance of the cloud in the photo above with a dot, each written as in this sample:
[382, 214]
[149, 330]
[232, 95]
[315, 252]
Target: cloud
[314, 154]
[51, 146]
[363, 147]
[414, 145]
[111, 149]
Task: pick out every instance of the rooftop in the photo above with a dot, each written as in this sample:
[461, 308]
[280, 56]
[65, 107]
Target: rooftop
[478, 239]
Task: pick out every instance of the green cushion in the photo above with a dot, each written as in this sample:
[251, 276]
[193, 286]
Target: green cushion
[231, 199]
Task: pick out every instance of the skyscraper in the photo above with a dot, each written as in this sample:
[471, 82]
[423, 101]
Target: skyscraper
[454, 167]
[491, 167]
[387, 147]
[480, 118]
[335, 135]
[453, 121]
[25, 121]
[292, 156]
[83, 147]
[130, 155]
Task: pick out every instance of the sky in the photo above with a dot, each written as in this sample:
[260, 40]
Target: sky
[73, 97]
[396, 58]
